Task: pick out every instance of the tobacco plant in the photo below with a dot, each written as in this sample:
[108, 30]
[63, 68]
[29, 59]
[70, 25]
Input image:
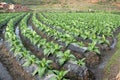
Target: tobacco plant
[59, 75]
[66, 56]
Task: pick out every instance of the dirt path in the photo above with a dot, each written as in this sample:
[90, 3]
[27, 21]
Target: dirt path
[112, 70]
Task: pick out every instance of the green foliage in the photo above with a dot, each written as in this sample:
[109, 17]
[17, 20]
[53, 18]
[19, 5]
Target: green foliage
[66, 56]
[59, 75]
[18, 49]
[81, 62]
[92, 47]
[31, 59]
[87, 26]
[94, 27]
[104, 40]
[42, 67]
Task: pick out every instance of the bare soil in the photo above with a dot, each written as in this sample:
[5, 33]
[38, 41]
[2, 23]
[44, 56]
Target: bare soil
[114, 73]
[15, 70]
[78, 5]
[9, 67]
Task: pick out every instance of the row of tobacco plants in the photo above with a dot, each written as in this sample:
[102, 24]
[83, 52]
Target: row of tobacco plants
[59, 45]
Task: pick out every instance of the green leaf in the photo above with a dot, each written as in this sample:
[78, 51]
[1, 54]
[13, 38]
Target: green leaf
[12, 49]
[35, 72]
[72, 57]
[46, 51]
[107, 42]
[38, 45]
[59, 54]
[60, 74]
[81, 62]
[41, 71]
[52, 50]
[97, 51]
[53, 78]
[27, 63]
[48, 62]
[61, 61]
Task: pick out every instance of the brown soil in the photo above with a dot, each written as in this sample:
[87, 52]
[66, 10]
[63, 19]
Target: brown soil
[117, 4]
[105, 57]
[114, 72]
[83, 5]
[15, 70]
[72, 74]
[93, 1]
[91, 58]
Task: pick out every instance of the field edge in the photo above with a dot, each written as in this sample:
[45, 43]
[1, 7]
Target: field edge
[113, 63]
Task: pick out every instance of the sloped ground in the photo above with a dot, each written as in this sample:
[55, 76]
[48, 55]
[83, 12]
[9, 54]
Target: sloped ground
[68, 5]
[76, 5]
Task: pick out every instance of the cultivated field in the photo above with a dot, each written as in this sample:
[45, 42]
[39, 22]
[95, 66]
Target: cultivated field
[57, 46]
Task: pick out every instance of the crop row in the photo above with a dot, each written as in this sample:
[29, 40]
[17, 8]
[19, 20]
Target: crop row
[52, 35]
[50, 49]
[65, 37]
[85, 26]
[20, 51]
[102, 24]
[44, 65]
[58, 37]
[4, 18]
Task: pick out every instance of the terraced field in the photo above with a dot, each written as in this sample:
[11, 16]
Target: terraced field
[57, 46]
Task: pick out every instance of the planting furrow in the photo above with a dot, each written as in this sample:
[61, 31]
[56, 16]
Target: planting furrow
[14, 47]
[37, 26]
[15, 70]
[84, 27]
[56, 46]
[89, 20]
[3, 22]
[51, 51]
[55, 64]
[5, 19]
[30, 63]
[64, 38]
[40, 66]
[63, 29]
[85, 45]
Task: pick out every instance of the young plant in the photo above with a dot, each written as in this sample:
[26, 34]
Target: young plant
[30, 60]
[66, 56]
[81, 44]
[81, 62]
[59, 75]
[92, 47]
[51, 48]
[43, 66]
[104, 40]
[42, 43]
